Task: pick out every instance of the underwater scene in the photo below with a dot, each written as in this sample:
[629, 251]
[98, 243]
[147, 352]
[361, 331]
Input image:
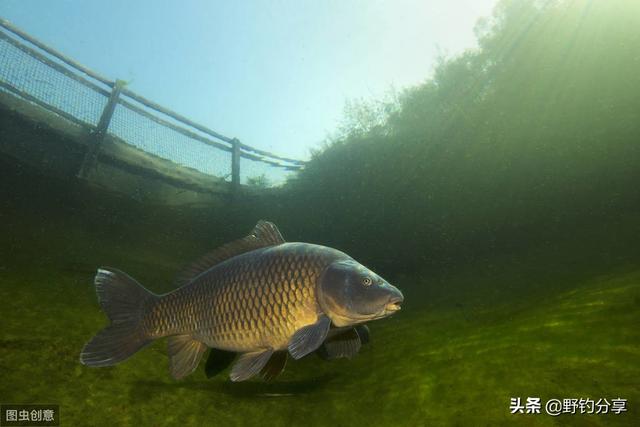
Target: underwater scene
[464, 251]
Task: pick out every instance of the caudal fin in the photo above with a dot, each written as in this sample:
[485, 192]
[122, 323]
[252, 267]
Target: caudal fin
[125, 302]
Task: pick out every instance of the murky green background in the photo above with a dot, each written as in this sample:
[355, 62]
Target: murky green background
[502, 197]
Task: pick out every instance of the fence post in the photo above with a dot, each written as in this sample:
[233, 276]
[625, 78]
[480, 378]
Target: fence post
[97, 135]
[235, 166]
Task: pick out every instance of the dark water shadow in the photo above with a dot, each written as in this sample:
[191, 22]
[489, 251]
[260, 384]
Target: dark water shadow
[78, 268]
[252, 389]
[22, 344]
[145, 389]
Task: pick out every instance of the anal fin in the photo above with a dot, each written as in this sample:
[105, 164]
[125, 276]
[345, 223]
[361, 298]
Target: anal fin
[250, 364]
[274, 366]
[184, 355]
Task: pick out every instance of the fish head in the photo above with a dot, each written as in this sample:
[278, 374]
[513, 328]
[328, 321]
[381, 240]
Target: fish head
[349, 293]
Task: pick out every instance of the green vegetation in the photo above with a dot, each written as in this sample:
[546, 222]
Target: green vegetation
[258, 181]
[501, 196]
[526, 137]
[456, 361]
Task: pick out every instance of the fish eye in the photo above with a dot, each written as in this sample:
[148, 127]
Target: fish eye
[367, 281]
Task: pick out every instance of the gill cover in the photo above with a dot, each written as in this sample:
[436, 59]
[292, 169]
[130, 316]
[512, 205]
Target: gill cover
[349, 293]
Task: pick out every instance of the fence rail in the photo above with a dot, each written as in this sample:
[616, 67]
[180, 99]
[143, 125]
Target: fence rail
[48, 78]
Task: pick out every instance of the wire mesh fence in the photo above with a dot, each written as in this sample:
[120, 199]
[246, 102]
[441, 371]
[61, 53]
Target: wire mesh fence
[157, 139]
[27, 74]
[43, 76]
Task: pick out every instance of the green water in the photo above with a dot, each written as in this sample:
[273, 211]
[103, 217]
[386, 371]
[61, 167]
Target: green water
[547, 322]
[501, 196]
[443, 365]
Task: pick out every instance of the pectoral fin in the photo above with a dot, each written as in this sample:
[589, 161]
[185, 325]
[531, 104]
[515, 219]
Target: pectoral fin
[217, 362]
[345, 344]
[309, 338]
[274, 366]
[363, 333]
[250, 364]
[184, 355]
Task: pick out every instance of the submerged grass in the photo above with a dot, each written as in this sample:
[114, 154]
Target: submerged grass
[509, 149]
[453, 364]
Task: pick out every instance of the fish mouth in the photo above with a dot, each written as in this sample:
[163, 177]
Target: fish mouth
[393, 305]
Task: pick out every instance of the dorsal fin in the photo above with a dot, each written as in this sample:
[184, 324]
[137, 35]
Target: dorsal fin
[264, 234]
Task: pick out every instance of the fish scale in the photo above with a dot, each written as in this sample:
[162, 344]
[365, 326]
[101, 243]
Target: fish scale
[241, 305]
[256, 296]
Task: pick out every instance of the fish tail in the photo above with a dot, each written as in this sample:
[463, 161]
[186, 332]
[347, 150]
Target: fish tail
[125, 302]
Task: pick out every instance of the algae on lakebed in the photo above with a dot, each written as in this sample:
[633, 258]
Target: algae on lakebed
[439, 364]
[558, 320]
[500, 195]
